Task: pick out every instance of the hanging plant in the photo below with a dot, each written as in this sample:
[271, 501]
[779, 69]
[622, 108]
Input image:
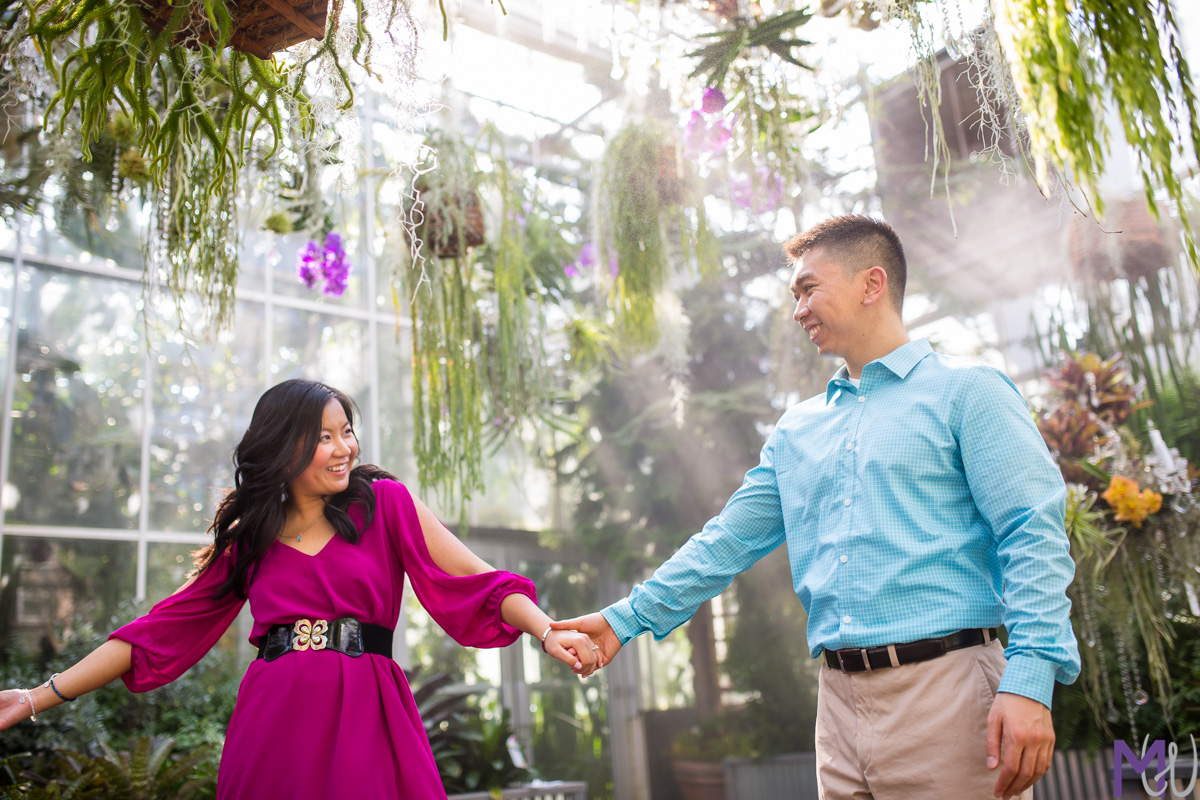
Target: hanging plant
[1051, 68]
[197, 111]
[485, 259]
[648, 233]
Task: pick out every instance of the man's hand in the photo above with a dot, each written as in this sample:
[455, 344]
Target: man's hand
[600, 632]
[1027, 732]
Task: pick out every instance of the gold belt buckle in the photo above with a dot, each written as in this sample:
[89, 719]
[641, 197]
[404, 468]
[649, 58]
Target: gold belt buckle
[310, 635]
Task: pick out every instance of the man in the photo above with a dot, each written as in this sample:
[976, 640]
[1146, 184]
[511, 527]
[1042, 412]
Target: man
[921, 510]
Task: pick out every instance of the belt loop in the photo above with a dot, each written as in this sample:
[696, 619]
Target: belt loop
[891, 648]
[866, 660]
[987, 637]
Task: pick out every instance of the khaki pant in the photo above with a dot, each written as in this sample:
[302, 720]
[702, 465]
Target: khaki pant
[916, 732]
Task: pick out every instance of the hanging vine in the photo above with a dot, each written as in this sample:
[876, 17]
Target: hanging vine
[193, 109]
[1052, 68]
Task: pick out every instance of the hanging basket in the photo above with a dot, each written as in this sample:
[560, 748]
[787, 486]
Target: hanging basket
[260, 27]
[444, 240]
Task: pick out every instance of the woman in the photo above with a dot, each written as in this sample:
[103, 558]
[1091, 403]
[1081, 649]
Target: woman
[321, 549]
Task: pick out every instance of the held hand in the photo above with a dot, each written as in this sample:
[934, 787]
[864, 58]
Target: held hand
[573, 649]
[601, 633]
[12, 710]
[1025, 728]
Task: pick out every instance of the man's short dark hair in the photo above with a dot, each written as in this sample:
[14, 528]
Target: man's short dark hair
[859, 242]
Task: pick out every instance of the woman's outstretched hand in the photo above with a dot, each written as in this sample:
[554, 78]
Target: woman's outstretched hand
[598, 630]
[573, 649]
[12, 710]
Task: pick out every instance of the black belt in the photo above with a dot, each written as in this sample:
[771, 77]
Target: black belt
[345, 635]
[866, 659]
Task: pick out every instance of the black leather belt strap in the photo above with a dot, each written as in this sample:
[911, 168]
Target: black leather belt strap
[866, 659]
[345, 635]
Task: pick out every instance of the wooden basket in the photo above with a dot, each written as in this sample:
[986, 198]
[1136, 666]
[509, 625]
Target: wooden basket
[441, 237]
[260, 27]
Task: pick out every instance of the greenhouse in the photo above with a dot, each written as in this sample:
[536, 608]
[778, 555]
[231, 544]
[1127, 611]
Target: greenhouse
[574, 271]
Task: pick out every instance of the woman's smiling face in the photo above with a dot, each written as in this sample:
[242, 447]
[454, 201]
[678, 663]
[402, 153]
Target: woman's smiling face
[337, 447]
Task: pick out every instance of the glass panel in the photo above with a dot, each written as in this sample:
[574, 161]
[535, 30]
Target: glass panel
[77, 401]
[203, 398]
[322, 347]
[50, 583]
[395, 401]
[167, 568]
[6, 286]
[517, 493]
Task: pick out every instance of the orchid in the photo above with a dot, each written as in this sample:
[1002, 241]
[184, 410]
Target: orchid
[308, 264]
[701, 136]
[326, 262]
[713, 101]
[1130, 503]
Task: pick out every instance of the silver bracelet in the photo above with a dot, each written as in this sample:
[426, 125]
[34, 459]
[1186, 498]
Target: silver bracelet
[27, 697]
[545, 633]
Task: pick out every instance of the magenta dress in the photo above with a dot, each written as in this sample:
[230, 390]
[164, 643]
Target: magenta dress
[314, 725]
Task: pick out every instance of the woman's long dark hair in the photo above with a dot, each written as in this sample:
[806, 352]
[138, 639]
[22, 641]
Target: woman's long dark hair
[276, 448]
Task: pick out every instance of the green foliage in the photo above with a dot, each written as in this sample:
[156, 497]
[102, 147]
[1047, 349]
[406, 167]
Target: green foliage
[193, 111]
[651, 224]
[1070, 60]
[486, 259]
[146, 772]
[768, 658]
[193, 711]
[486, 764]
[720, 736]
[730, 45]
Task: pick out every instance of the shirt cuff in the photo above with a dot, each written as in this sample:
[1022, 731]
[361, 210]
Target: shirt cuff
[1029, 677]
[624, 620]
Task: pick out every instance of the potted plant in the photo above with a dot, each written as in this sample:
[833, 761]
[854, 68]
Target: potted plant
[697, 754]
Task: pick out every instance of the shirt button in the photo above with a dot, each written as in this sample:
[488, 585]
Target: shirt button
[862, 399]
[845, 559]
[846, 502]
[849, 445]
[846, 619]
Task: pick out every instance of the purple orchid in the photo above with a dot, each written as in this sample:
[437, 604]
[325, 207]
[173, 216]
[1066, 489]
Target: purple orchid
[309, 264]
[585, 263]
[713, 101]
[326, 262]
[701, 136]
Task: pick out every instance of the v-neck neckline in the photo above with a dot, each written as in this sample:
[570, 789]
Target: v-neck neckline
[324, 547]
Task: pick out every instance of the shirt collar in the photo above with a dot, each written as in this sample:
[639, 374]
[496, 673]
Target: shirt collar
[900, 362]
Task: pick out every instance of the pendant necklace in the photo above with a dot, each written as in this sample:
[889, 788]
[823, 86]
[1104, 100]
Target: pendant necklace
[306, 530]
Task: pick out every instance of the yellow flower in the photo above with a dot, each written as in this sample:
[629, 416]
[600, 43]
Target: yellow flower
[1130, 504]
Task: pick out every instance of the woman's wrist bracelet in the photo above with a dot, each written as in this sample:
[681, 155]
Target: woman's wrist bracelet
[545, 633]
[26, 697]
[54, 689]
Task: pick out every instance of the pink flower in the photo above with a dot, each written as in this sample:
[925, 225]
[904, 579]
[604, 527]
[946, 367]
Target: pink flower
[324, 262]
[713, 101]
[701, 136]
[308, 264]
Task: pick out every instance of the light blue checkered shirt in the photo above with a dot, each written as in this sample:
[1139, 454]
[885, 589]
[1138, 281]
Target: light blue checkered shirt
[919, 503]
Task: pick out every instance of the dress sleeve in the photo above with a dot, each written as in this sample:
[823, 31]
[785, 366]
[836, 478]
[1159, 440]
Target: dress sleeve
[179, 630]
[466, 607]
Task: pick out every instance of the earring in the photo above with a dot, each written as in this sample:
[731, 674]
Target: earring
[283, 495]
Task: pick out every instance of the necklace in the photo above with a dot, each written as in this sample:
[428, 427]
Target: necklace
[307, 528]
